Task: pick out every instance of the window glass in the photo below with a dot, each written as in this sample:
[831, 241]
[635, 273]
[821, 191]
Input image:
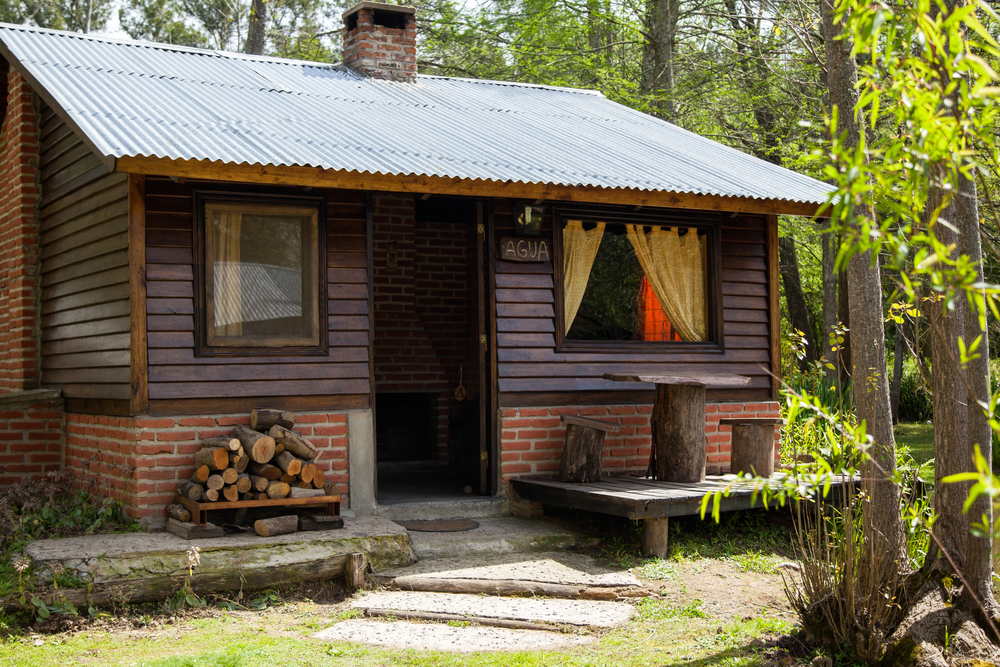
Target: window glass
[261, 270]
[630, 282]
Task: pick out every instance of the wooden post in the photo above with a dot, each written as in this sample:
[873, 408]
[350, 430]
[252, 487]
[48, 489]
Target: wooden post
[354, 572]
[752, 448]
[679, 432]
[654, 537]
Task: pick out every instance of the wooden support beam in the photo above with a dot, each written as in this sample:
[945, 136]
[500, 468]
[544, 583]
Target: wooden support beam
[654, 537]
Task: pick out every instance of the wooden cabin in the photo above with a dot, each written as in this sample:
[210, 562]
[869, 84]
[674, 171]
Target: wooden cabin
[428, 271]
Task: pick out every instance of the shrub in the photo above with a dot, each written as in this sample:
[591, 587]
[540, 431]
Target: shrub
[915, 403]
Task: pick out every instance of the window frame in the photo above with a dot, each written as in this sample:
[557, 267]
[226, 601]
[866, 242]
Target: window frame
[202, 198]
[702, 220]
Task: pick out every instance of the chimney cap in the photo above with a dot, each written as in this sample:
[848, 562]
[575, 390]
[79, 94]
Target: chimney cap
[380, 6]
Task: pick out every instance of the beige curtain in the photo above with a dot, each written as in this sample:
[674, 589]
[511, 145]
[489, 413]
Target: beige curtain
[675, 268]
[579, 252]
[226, 274]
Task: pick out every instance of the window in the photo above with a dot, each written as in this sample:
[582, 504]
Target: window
[262, 281]
[641, 279]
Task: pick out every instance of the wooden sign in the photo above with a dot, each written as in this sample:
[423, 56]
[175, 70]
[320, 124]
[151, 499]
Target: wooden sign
[521, 249]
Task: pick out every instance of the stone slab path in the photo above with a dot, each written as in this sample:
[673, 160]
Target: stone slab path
[434, 637]
[583, 613]
[552, 567]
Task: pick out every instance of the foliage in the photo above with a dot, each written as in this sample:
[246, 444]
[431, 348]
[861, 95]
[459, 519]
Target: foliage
[46, 508]
[914, 394]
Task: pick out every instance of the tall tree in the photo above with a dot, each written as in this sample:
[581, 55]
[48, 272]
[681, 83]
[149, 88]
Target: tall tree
[257, 30]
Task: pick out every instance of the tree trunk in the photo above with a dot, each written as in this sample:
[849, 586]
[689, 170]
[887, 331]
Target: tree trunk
[798, 313]
[897, 372]
[658, 55]
[845, 363]
[257, 29]
[829, 244]
[883, 527]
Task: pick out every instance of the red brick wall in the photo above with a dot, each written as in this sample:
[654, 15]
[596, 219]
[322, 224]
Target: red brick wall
[31, 439]
[382, 52]
[532, 438]
[140, 460]
[420, 308]
[19, 239]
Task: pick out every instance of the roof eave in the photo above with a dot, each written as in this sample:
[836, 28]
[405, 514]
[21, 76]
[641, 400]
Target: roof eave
[423, 184]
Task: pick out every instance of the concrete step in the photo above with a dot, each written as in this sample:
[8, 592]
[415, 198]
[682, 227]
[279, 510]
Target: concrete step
[499, 536]
[455, 639]
[486, 609]
[554, 574]
[475, 507]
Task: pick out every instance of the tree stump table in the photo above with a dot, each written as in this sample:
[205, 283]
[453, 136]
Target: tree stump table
[677, 453]
[583, 448]
[752, 448]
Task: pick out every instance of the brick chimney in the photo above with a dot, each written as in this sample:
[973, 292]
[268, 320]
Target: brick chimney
[380, 41]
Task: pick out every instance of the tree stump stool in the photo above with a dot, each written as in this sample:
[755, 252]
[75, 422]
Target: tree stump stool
[583, 448]
[752, 449]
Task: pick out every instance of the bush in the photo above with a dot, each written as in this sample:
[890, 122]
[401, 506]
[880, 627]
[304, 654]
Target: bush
[915, 403]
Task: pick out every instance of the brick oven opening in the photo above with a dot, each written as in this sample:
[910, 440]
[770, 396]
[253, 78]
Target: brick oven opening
[426, 313]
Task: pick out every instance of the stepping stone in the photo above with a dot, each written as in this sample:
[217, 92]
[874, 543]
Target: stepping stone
[434, 637]
[570, 569]
[585, 613]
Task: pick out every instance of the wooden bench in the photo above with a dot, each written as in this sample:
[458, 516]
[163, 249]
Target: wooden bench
[752, 448]
[583, 448]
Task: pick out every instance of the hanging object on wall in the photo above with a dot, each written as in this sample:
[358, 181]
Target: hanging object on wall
[460, 389]
[390, 255]
[528, 218]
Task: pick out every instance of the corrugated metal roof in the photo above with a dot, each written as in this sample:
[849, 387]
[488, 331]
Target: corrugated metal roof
[145, 99]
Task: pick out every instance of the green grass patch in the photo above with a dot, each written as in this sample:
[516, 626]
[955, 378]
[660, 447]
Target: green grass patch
[918, 438]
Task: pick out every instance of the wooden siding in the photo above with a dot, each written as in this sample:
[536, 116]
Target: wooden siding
[84, 268]
[532, 372]
[179, 381]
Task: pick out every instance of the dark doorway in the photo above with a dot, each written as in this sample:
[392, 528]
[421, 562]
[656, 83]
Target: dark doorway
[429, 321]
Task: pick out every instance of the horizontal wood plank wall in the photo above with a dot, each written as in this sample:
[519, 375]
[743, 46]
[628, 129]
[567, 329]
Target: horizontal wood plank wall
[180, 382]
[532, 372]
[84, 269]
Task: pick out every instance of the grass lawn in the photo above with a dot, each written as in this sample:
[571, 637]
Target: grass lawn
[919, 438]
[713, 602]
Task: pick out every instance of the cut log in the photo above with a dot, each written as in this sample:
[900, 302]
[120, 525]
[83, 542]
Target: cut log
[289, 479]
[265, 470]
[215, 482]
[278, 525]
[200, 475]
[752, 446]
[229, 475]
[261, 496]
[293, 442]
[305, 485]
[228, 444]
[193, 531]
[278, 447]
[583, 448]
[216, 458]
[258, 446]
[307, 473]
[238, 461]
[319, 479]
[354, 572]
[262, 419]
[310, 521]
[178, 511]
[211, 495]
[190, 490]
[278, 490]
[288, 463]
[259, 483]
[243, 483]
[301, 492]
[230, 493]
[331, 489]
[248, 496]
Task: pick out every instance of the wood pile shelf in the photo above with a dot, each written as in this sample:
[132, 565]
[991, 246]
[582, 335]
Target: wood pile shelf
[199, 511]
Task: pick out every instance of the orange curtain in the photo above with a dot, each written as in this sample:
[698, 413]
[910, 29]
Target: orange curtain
[652, 319]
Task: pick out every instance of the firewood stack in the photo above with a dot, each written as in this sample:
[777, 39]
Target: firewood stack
[265, 460]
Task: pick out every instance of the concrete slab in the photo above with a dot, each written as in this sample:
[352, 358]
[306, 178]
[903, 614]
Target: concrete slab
[497, 536]
[583, 613]
[567, 568]
[445, 508]
[134, 556]
[433, 637]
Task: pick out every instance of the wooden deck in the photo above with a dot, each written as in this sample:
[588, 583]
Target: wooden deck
[636, 497]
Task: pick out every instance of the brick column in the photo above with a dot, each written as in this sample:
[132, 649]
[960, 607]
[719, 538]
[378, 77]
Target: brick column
[19, 281]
